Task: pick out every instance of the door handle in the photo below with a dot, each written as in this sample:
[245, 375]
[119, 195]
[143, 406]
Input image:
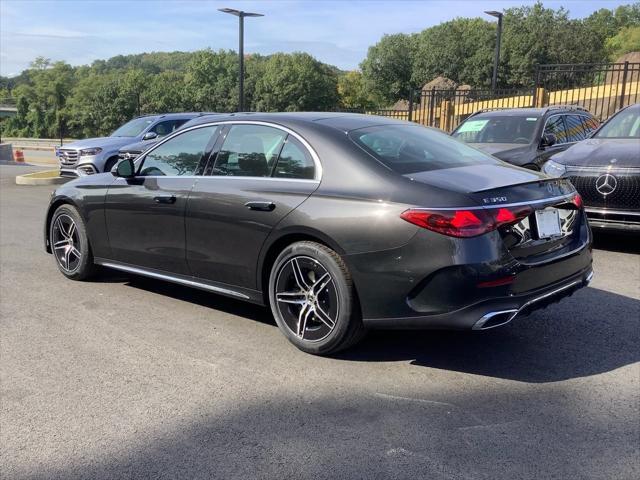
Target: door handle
[261, 206]
[165, 200]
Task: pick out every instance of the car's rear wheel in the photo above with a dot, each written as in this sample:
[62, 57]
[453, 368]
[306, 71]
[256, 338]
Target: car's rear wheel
[313, 299]
[70, 244]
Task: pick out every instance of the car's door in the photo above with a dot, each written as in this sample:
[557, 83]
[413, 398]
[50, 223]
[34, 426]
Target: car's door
[253, 180]
[145, 214]
[555, 125]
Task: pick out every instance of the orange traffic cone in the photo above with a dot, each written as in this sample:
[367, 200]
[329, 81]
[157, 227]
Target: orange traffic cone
[18, 156]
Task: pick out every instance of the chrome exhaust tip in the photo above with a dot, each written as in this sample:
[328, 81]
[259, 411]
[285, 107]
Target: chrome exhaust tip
[495, 319]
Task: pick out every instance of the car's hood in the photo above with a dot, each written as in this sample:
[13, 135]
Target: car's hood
[102, 142]
[139, 146]
[597, 152]
[516, 153]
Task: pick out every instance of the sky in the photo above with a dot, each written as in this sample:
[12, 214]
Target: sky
[337, 32]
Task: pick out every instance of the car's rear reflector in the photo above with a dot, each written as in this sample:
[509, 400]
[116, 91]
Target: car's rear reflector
[465, 223]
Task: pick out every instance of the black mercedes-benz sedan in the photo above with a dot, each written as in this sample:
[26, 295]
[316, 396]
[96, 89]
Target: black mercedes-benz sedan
[605, 169]
[338, 222]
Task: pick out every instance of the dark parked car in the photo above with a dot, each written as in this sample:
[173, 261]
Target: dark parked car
[605, 169]
[526, 137]
[135, 149]
[339, 222]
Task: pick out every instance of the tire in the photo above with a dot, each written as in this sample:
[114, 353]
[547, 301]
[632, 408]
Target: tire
[109, 164]
[313, 299]
[70, 244]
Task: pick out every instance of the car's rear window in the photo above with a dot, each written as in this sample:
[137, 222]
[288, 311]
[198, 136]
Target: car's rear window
[411, 148]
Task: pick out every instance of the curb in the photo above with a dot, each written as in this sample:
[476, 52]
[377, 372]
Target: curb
[33, 179]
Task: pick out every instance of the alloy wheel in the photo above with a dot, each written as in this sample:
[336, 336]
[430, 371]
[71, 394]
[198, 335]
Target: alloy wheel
[307, 298]
[65, 241]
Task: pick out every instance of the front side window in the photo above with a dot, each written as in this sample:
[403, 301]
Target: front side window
[497, 129]
[575, 128]
[249, 151]
[294, 161]
[409, 149]
[625, 124]
[133, 128]
[555, 126]
[178, 156]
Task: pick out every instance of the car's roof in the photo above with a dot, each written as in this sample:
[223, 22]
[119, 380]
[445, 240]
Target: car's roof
[530, 112]
[341, 121]
[176, 115]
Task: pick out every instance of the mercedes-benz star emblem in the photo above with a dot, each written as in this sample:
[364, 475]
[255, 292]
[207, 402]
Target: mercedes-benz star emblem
[606, 184]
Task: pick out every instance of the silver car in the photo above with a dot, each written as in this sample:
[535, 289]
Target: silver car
[96, 155]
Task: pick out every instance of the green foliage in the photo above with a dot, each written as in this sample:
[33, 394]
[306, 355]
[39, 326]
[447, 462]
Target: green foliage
[388, 68]
[295, 82]
[354, 93]
[95, 99]
[461, 50]
[627, 40]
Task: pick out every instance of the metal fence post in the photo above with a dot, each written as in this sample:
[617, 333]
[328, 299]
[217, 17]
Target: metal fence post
[624, 83]
[410, 114]
[432, 98]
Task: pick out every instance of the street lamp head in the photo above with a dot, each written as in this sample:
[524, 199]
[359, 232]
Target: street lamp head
[239, 13]
[493, 13]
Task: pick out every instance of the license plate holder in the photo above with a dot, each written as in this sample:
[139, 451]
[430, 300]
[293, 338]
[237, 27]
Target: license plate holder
[548, 223]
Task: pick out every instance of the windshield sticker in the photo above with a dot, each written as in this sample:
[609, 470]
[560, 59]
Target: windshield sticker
[531, 119]
[472, 126]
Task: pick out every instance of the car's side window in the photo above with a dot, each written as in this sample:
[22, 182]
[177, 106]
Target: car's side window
[294, 161]
[167, 127]
[249, 151]
[555, 126]
[590, 124]
[178, 156]
[575, 128]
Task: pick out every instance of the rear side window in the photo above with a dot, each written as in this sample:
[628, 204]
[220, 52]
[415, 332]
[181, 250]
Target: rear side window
[575, 128]
[294, 161]
[409, 149]
[249, 151]
[555, 126]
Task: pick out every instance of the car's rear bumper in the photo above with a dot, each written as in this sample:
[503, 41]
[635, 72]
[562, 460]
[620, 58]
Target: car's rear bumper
[490, 313]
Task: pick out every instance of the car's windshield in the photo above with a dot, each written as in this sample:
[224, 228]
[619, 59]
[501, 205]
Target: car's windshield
[410, 149]
[133, 128]
[498, 129]
[625, 124]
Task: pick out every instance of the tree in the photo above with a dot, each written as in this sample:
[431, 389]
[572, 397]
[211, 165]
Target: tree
[388, 68]
[461, 50]
[627, 40]
[354, 93]
[211, 81]
[294, 82]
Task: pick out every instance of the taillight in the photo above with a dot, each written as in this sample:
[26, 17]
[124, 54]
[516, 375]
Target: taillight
[577, 201]
[465, 223]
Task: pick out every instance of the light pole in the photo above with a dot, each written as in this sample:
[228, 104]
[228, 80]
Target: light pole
[496, 60]
[240, 14]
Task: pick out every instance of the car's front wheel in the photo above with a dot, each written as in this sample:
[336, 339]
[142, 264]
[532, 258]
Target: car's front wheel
[313, 299]
[70, 244]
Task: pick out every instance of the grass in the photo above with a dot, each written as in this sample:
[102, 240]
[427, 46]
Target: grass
[43, 174]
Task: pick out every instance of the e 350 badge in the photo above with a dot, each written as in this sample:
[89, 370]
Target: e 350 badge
[494, 200]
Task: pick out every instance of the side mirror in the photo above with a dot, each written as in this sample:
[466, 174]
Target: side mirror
[125, 168]
[548, 139]
[150, 136]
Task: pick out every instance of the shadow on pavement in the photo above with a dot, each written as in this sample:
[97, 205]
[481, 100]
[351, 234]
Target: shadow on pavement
[616, 242]
[592, 332]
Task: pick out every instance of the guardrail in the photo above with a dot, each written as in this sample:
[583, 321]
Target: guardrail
[36, 143]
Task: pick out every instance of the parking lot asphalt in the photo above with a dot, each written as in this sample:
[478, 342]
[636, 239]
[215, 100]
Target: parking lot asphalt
[125, 377]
